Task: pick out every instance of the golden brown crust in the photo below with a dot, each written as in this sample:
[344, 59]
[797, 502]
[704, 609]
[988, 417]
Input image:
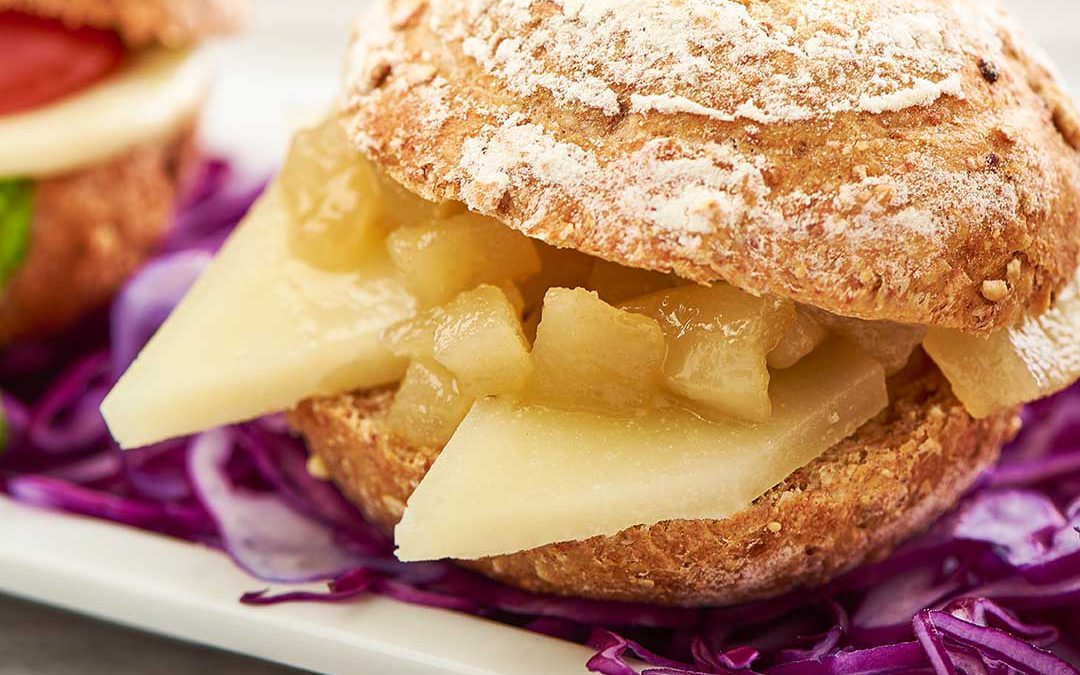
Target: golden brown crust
[172, 23]
[92, 228]
[881, 159]
[852, 505]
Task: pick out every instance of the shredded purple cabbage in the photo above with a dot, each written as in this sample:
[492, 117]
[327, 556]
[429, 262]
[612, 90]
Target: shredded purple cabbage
[994, 587]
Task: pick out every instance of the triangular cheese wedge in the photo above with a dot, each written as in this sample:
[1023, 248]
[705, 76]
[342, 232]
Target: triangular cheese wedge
[260, 331]
[516, 477]
[1037, 357]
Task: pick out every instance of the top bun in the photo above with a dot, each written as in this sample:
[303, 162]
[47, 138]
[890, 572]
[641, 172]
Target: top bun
[141, 23]
[912, 160]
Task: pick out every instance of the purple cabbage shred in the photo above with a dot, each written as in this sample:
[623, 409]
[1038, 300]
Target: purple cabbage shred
[994, 587]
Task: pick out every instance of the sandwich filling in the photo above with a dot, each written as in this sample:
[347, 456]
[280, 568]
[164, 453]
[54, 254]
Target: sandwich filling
[571, 396]
[72, 97]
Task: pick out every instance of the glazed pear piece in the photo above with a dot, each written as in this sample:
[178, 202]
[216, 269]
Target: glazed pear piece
[718, 338]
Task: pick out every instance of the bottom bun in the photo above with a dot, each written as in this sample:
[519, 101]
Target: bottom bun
[91, 229]
[852, 505]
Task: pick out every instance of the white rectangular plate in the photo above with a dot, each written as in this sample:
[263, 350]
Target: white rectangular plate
[191, 592]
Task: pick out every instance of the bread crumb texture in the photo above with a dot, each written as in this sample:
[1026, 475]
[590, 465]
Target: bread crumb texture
[850, 506]
[880, 159]
[141, 23]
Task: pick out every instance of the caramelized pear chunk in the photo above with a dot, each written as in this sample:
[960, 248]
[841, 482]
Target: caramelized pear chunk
[429, 405]
[414, 338]
[340, 204]
[333, 198]
[803, 337]
[444, 258]
[592, 356]
[480, 341]
[718, 338]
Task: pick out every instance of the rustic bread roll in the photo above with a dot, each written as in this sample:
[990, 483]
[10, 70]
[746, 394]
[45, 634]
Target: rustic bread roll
[885, 159]
[852, 505]
[172, 23]
[91, 229]
[903, 160]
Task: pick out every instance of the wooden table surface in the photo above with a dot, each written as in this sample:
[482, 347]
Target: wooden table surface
[36, 640]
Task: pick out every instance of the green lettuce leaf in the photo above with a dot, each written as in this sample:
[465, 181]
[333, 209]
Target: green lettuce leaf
[16, 213]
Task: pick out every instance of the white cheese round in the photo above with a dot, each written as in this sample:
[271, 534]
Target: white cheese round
[154, 94]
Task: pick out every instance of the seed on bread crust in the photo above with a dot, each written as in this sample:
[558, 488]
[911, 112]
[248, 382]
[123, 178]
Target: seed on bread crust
[141, 23]
[91, 229]
[995, 290]
[852, 505]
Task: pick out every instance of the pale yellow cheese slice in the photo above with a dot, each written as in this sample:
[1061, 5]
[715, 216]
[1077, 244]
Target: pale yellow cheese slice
[260, 331]
[151, 96]
[513, 478]
[1032, 360]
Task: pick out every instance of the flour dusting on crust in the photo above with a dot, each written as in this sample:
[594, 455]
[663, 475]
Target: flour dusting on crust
[879, 158]
[690, 187]
[824, 58]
